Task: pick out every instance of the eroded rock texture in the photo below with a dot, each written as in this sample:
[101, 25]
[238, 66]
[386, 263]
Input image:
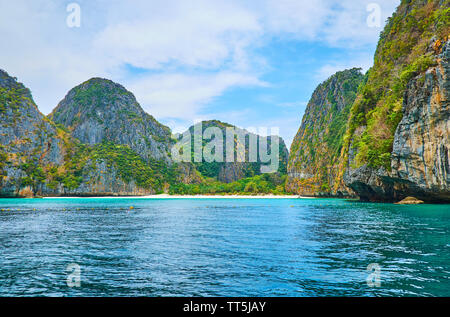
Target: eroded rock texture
[100, 110]
[27, 139]
[421, 146]
[315, 151]
[420, 157]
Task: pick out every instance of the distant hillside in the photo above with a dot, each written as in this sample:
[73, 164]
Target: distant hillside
[232, 171]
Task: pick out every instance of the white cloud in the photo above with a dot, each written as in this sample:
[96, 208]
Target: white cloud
[293, 104]
[201, 34]
[348, 22]
[183, 95]
[190, 52]
[303, 19]
[340, 23]
[363, 61]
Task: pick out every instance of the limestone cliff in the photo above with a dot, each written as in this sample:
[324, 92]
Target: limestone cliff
[397, 140]
[316, 148]
[420, 157]
[421, 150]
[39, 157]
[100, 110]
[29, 143]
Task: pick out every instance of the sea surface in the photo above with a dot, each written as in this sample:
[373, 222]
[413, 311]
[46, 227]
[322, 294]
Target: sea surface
[222, 247]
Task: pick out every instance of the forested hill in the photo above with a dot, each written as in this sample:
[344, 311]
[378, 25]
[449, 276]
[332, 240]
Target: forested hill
[232, 171]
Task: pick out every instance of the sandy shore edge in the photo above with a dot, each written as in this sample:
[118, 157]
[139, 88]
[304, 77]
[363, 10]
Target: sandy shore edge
[165, 196]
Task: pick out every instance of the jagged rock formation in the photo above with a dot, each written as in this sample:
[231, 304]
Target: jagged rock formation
[228, 172]
[100, 110]
[398, 136]
[396, 142]
[101, 179]
[316, 148]
[106, 116]
[100, 143]
[420, 157]
[421, 143]
[29, 143]
[39, 157]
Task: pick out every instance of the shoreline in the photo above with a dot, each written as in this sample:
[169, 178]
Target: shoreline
[165, 196]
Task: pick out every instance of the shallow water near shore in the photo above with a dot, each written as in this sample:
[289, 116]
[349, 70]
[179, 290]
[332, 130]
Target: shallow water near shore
[222, 247]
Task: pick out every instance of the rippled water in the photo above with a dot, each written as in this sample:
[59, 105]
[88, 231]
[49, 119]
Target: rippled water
[222, 247]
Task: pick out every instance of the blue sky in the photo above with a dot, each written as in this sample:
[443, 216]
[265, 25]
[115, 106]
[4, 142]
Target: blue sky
[248, 63]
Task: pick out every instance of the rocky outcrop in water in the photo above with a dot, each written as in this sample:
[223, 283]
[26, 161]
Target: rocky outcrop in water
[410, 201]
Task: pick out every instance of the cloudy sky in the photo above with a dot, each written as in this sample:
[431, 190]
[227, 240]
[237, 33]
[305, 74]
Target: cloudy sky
[249, 63]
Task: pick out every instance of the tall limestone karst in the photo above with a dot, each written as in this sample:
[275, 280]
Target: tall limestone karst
[100, 110]
[315, 151]
[29, 143]
[111, 126]
[397, 143]
[124, 151]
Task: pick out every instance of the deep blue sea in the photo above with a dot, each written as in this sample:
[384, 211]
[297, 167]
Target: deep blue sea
[222, 247]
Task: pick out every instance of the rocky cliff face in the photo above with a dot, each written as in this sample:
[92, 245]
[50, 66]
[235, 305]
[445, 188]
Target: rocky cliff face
[422, 144]
[102, 179]
[312, 167]
[397, 141]
[29, 143]
[229, 172]
[420, 158]
[39, 157]
[397, 135]
[100, 110]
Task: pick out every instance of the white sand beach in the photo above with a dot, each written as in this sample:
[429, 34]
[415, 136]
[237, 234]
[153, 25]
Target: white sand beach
[166, 196]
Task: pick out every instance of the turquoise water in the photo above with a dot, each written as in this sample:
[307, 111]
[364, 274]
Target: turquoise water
[222, 247]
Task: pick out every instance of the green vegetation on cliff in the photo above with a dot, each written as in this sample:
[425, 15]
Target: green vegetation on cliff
[402, 53]
[81, 160]
[13, 96]
[232, 171]
[131, 167]
[100, 110]
[318, 143]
